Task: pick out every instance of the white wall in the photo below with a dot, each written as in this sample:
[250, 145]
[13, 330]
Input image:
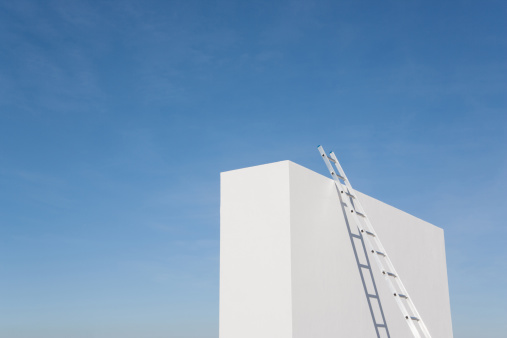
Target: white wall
[287, 267]
[255, 279]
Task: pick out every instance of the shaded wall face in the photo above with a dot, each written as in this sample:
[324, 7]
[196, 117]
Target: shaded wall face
[289, 267]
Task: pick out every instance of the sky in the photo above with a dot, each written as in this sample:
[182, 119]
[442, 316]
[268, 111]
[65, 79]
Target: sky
[117, 117]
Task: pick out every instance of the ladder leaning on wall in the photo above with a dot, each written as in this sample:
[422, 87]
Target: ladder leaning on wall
[375, 247]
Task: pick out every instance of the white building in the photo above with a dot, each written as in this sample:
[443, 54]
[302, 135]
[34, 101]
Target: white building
[289, 268]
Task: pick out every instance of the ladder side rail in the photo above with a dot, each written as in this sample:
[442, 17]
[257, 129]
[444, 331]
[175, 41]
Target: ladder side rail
[371, 248]
[377, 241]
[366, 218]
[381, 247]
[353, 192]
[390, 268]
[382, 269]
[387, 278]
[369, 225]
[349, 206]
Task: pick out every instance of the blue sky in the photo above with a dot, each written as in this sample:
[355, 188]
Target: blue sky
[116, 119]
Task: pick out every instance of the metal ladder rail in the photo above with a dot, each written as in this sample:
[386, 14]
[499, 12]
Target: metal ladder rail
[348, 191]
[389, 264]
[365, 275]
[364, 233]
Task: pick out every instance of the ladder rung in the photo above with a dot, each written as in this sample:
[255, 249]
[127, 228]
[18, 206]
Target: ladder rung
[389, 274]
[350, 195]
[339, 176]
[370, 233]
[336, 173]
[360, 214]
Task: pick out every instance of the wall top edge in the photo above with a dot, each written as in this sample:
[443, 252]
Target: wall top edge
[284, 162]
[289, 164]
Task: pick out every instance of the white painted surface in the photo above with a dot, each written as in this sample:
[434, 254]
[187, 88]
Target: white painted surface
[255, 279]
[287, 267]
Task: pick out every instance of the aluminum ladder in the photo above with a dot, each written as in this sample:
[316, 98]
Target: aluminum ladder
[375, 247]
